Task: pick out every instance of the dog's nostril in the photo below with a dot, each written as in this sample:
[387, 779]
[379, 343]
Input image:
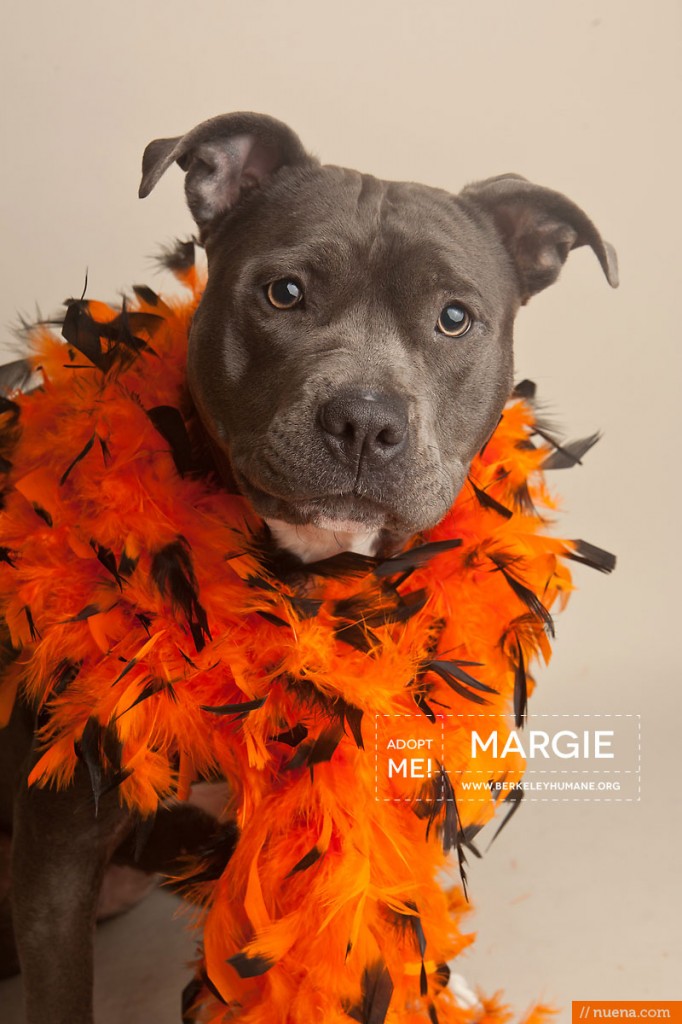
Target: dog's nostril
[336, 422]
[362, 423]
[389, 436]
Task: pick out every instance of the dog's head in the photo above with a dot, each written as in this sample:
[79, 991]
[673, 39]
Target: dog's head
[353, 348]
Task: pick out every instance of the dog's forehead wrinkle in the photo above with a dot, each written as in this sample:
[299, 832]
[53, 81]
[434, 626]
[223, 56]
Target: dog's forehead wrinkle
[360, 233]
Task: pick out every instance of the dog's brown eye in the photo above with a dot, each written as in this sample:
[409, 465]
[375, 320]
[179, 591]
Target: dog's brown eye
[454, 320]
[284, 294]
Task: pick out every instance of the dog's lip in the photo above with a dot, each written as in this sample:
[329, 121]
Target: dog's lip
[318, 509]
[320, 512]
[243, 479]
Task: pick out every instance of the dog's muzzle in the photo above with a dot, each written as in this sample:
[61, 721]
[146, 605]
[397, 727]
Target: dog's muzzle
[360, 425]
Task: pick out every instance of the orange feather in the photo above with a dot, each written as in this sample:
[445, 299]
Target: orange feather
[332, 898]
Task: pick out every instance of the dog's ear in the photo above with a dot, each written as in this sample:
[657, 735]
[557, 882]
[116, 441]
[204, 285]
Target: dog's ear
[539, 228]
[223, 158]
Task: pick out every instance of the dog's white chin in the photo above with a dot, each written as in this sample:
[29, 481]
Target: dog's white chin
[325, 538]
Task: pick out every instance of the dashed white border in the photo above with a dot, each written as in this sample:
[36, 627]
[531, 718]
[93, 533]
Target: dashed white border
[531, 771]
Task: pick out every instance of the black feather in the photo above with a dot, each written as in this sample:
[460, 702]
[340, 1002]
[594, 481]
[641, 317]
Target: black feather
[250, 966]
[437, 801]
[243, 708]
[258, 583]
[178, 256]
[482, 451]
[187, 658]
[81, 455]
[149, 690]
[173, 573]
[212, 988]
[424, 706]
[453, 674]
[8, 406]
[454, 822]
[320, 749]
[415, 557]
[7, 555]
[145, 621]
[306, 607]
[112, 749]
[531, 600]
[525, 389]
[405, 606]
[273, 619]
[85, 613]
[414, 923]
[306, 861]
[126, 564]
[43, 513]
[353, 634]
[451, 825]
[523, 501]
[487, 501]
[353, 716]
[86, 334]
[190, 997]
[128, 668]
[442, 974]
[64, 675]
[31, 624]
[514, 798]
[467, 836]
[108, 560]
[87, 750]
[120, 329]
[345, 565]
[593, 556]
[292, 737]
[170, 424]
[520, 689]
[377, 991]
[80, 331]
[326, 743]
[15, 376]
[566, 455]
[146, 294]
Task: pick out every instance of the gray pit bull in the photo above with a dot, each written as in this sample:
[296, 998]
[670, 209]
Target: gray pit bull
[351, 354]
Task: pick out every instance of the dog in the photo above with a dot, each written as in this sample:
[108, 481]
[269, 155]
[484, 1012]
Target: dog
[352, 352]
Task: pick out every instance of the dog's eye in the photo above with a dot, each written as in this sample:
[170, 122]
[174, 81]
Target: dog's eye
[284, 294]
[454, 320]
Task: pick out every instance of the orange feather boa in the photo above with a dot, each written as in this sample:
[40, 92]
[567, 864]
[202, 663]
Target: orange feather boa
[162, 640]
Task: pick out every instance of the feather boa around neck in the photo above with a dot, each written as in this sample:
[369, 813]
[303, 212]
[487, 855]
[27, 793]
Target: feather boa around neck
[162, 638]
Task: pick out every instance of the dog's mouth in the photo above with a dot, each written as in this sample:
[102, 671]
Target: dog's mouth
[340, 513]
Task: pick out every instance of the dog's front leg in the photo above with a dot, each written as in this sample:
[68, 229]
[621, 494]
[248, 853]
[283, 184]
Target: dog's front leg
[60, 850]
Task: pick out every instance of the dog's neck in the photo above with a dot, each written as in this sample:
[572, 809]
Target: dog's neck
[313, 543]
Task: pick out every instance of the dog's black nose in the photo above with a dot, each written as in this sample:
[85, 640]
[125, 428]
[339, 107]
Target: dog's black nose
[362, 424]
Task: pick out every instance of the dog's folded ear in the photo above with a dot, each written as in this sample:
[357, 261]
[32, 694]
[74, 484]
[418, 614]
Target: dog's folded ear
[223, 158]
[539, 228]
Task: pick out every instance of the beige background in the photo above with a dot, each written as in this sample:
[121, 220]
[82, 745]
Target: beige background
[575, 900]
